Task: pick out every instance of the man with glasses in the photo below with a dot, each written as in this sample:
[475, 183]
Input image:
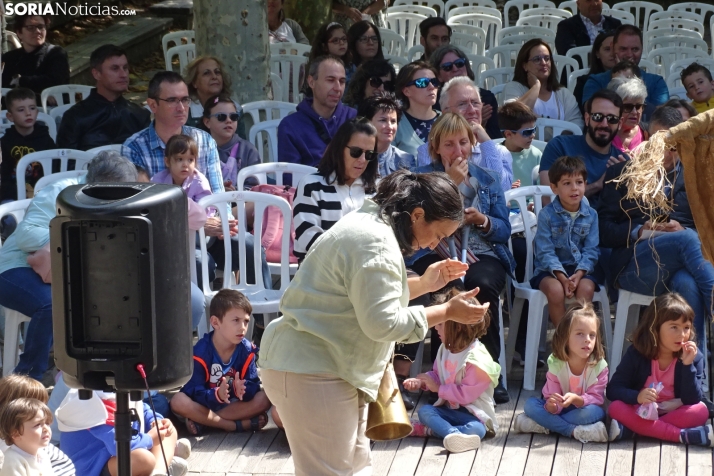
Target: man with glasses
[602, 121]
[104, 117]
[37, 65]
[434, 33]
[304, 135]
[582, 28]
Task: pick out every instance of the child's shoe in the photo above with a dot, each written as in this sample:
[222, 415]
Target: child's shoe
[524, 424]
[419, 429]
[179, 466]
[618, 431]
[458, 442]
[595, 432]
[700, 436]
[183, 448]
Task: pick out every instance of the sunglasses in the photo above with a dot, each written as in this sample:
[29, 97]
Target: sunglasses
[459, 63]
[356, 153]
[376, 82]
[524, 132]
[221, 116]
[422, 83]
[611, 118]
[630, 107]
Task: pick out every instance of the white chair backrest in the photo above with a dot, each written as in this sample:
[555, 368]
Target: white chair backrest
[5, 91]
[678, 92]
[480, 64]
[276, 84]
[556, 126]
[276, 169]
[269, 129]
[674, 24]
[397, 61]
[470, 30]
[393, 43]
[497, 91]
[544, 21]
[176, 38]
[676, 14]
[52, 178]
[185, 53]
[521, 40]
[695, 7]
[16, 208]
[521, 5]
[539, 144]
[504, 56]
[571, 5]
[676, 68]
[261, 111]
[494, 76]
[556, 12]
[470, 44]
[490, 24]
[415, 52]
[494, 12]
[641, 11]
[626, 18]
[666, 56]
[419, 9]
[573, 78]
[56, 113]
[406, 25]
[96, 150]
[223, 202]
[543, 33]
[564, 63]
[651, 35]
[46, 157]
[42, 117]
[676, 41]
[290, 49]
[58, 92]
[581, 54]
[466, 3]
[649, 66]
[288, 68]
[437, 5]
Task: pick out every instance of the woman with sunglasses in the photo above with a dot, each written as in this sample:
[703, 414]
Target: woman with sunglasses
[220, 118]
[633, 93]
[371, 77]
[364, 42]
[602, 58]
[535, 83]
[416, 87]
[450, 61]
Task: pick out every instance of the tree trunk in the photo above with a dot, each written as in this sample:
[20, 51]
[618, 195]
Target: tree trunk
[236, 31]
[310, 14]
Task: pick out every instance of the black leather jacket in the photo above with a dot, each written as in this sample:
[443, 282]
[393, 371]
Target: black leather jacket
[96, 121]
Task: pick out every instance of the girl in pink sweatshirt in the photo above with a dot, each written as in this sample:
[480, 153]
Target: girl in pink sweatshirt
[464, 376]
[575, 383]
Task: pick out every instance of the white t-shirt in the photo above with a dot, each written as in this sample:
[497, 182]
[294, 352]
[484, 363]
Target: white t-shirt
[549, 109]
[283, 34]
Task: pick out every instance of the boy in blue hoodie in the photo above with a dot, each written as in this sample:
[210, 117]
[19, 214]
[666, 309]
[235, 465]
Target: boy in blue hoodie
[224, 391]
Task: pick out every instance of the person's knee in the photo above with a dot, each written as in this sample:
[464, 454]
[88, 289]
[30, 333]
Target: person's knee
[617, 409]
[533, 404]
[262, 402]
[143, 462]
[689, 240]
[425, 412]
[179, 403]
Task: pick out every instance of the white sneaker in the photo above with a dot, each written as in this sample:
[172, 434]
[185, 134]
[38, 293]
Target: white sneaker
[183, 448]
[595, 432]
[179, 466]
[524, 424]
[614, 430]
[458, 442]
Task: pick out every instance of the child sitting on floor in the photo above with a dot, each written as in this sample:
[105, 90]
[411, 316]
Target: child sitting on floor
[697, 80]
[224, 391]
[575, 383]
[25, 426]
[464, 377]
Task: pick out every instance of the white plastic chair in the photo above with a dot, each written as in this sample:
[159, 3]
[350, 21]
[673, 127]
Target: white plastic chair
[185, 53]
[678, 92]
[175, 38]
[479, 65]
[58, 92]
[476, 33]
[626, 18]
[702, 9]
[581, 54]
[544, 21]
[564, 63]
[676, 41]
[261, 111]
[470, 44]
[270, 129]
[493, 77]
[45, 159]
[675, 24]
[276, 85]
[497, 91]
[521, 5]
[288, 68]
[649, 66]
[521, 40]
[290, 49]
[557, 127]
[540, 145]
[494, 12]
[641, 11]
[52, 178]
[415, 52]
[397, 61]
[536, 299]
[652, 35]
[557, 12]
[450, 4]
[56, 113]
[504, 56]
[406, 25]
[573, 78]
[628, 311]
[676, 68]
[418, 9]
[490, 24]
[437, 5]
[96, 150]
[571, 5]
[5, 91]
[666, 56]
[393, 43]
[530, 31]
[676, 15]
[264, 301]
[42, 117]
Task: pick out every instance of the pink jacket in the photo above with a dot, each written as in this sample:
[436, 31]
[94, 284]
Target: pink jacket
[474, 383]
[593, 395]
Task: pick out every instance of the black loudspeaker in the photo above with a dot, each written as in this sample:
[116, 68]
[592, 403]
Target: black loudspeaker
[121, 286]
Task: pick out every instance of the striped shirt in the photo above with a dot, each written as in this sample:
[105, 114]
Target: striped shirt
[319, 204]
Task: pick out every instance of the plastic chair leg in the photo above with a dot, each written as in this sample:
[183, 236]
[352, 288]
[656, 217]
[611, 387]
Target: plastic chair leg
[13, 321]
[502, 356]
[535, 323]
[515, 320]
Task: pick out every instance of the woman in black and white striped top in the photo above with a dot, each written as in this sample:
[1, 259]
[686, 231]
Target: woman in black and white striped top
[346, 173]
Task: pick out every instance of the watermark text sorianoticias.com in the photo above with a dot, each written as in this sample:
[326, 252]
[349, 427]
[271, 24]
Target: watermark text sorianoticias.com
[62, 8]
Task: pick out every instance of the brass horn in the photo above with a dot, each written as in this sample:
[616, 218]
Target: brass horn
[387, 417]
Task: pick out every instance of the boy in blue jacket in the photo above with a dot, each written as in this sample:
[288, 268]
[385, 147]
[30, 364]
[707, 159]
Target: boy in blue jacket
[224, 391]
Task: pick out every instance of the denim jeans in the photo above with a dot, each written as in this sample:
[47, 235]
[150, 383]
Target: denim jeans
[673, 262]
[566, 421]
[443, 421]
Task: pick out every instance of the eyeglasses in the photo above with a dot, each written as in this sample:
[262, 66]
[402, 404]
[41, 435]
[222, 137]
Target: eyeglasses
[376, 81]
[173, 102]
[338, 41]
[35, 28]
[538, 59]
[422, 83]
[368, 39]
[611, 118]
[459, 63]
[627, 108]
[356, 153]
[524, 132]
[222, 116]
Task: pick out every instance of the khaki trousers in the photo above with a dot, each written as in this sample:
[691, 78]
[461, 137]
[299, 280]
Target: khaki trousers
[325, 419]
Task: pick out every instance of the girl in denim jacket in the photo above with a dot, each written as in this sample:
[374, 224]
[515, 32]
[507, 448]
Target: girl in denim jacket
[566, 243]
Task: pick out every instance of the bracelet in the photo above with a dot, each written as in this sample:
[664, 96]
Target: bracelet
[482, 225]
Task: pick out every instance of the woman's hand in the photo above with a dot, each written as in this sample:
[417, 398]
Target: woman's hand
[352, 13]
[689, 351]
[442, 273]
[458, 169]
[462, 311]
[474, 217]
[374, 8]
[213, 227]
[533, 81]
[412, 384]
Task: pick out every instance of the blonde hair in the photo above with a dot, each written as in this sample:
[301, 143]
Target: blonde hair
[457, 336]
[447, 124]
[581, 310]
[16, 413]
[190, 75]
[16, 386]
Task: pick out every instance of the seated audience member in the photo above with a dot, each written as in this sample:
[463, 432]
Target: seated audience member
[517, 123]
[364, 42]
[450, 144]
[25, 428]
[627, 44]
[697, 80]
[433, 33]
[684, 107]
[384, 111]
[416, 87]
[460, 95]
[228, 396]
[535, 84]
[372, 76]
[450, 61]
[220, 117]
[304, 135]
[38, 65]
[653, 258]
[105, 116]
[346, 173]
[330, 39]
[602, 121]
[634, 94]
[180, 160]
[23, 137]
[351, 12]
[281, 29]
[602, 58]
[582, 28]
[625, 69]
